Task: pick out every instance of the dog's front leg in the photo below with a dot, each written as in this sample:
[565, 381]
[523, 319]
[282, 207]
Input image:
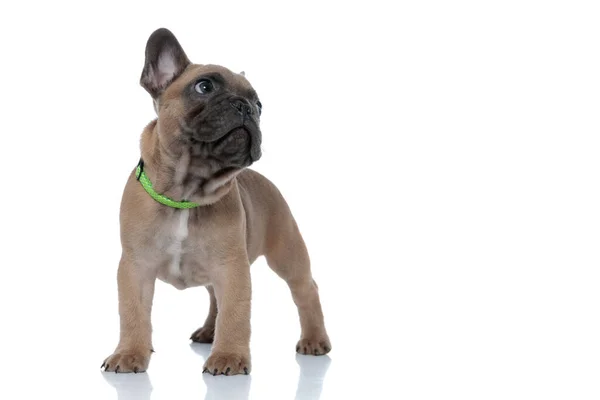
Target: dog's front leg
[136, 290]
[231, 347]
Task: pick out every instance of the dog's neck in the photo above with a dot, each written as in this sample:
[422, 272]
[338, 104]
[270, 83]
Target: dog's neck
[175, 175]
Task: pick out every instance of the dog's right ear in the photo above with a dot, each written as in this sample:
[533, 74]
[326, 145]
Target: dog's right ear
[165, 61]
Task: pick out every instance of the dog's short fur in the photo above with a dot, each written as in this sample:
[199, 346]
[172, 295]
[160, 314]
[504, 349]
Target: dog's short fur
[198, 149]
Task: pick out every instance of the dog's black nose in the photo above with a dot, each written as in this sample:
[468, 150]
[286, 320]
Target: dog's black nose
[241, 106]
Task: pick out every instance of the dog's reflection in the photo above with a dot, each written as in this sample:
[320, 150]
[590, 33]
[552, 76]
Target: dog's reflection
[312, 376]
[237, 387]
[130, 386]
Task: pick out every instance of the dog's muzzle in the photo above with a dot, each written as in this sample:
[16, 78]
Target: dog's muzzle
[240, 146]
[236, 141]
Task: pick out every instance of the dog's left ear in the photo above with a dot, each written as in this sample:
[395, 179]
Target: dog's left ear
[165, 61]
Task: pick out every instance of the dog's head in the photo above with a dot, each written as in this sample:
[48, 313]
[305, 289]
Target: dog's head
[206, 113]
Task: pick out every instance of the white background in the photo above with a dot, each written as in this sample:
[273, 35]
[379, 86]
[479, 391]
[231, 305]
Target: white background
[441, 159]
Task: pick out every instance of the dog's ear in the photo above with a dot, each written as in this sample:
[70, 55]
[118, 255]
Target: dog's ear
[165, 61]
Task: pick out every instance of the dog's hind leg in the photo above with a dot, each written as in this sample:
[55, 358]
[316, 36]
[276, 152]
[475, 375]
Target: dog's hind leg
[288, 257]
[206, 333]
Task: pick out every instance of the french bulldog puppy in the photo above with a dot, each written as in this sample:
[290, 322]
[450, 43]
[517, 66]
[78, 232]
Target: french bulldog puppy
[193, 214]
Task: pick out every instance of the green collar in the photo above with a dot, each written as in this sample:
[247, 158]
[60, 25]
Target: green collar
[147, 185]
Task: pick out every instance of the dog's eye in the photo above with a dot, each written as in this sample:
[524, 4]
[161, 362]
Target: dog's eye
[259, 105]
[204, 86]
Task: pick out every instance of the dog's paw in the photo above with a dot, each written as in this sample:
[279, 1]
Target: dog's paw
[127, 361]
[203, 335]
[221, 363]
[316, 346]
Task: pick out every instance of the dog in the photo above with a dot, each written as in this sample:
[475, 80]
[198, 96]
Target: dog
[193, 214]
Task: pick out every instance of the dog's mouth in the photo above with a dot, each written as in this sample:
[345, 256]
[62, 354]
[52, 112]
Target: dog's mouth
[238, 146]
[233, 150]
[238, 140]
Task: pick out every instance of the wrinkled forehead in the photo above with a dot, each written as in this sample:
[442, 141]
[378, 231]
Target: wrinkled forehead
[235, 83]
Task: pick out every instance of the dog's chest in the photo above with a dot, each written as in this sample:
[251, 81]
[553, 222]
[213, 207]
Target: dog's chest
[180, 266]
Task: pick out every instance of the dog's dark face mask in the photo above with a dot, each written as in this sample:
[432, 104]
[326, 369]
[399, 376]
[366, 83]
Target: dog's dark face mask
[221, 120]
[207, 114]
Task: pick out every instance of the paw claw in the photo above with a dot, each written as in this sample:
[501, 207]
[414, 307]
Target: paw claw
[223, 363]
[127, 360]
[316, 345]
[246, 370]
